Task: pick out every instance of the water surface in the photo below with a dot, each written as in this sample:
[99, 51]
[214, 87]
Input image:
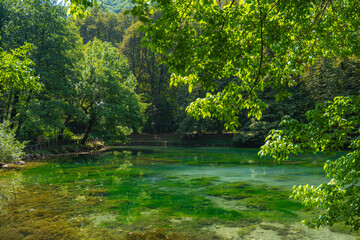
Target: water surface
[162, 193]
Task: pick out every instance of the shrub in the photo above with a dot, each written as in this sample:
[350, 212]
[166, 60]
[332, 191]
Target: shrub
[10, 148]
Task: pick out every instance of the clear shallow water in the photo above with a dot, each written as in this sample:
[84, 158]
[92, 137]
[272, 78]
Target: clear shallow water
[162, 193]
[285, 176]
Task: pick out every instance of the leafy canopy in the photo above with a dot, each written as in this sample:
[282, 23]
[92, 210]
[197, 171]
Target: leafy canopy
[38, 37]
[263, 43]
[78, 7]
[106, 92]
[16, 72]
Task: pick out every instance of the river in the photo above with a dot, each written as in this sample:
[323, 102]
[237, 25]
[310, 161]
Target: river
[162, 193]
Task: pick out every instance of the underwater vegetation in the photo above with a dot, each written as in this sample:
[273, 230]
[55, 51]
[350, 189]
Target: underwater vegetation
[130, 196]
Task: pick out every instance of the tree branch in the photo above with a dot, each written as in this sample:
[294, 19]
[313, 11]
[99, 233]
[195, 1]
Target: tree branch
[222, 27]
[262, 18]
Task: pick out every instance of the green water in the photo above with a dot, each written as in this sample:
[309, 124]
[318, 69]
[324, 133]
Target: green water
[162, 193]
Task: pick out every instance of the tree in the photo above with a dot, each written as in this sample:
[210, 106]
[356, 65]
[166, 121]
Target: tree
[55, 44]
[153, 81]
[16, 75]
[106, 92]
[253, 132]
[116, 6]
[106, 26]
[331, 77]
[78, 7]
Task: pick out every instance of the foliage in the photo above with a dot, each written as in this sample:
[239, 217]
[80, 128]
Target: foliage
[55, 58]
[153, 79]
[106, 92]
[253, 132]
[331, 126]
[10, 148]
[116, 6]
[78, 7]
[55, 44]
[106, 26]
[16, 75]
[186, 124]
[331, 77]
[165, 111]
[261, 43]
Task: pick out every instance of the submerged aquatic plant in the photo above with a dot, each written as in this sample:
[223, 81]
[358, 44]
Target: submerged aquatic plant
[9, 187]
[100, 197]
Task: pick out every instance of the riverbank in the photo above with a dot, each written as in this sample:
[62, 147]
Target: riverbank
[61, 151]
[174, 139]
[66, 150]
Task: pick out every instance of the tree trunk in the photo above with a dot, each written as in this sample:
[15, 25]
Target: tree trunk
[219, 126]
[7, 107]
[14, 110]
[88, 130]
[22, 117]
[61, 133]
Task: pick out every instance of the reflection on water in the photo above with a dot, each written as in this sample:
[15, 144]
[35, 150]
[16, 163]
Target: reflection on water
[163, 193]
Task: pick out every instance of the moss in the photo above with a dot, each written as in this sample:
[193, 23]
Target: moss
[97, 192]
[246, 230]
[11, 234]
[233, 190]
[280, 230]
[199, 182]
[161, 233]
[237, 185]
[188, 183]
[228, 193]
[282, 178]
[255, 203]
[171, 177]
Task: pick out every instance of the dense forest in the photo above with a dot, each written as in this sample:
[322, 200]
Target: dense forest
[77, 75]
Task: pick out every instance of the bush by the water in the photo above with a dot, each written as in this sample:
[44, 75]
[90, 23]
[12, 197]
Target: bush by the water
[10, 148]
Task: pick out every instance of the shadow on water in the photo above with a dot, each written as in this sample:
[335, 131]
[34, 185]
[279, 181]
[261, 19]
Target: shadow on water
[161, 193]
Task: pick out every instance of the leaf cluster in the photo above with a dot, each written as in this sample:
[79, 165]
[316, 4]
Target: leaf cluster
[331, 127]
[261, 43]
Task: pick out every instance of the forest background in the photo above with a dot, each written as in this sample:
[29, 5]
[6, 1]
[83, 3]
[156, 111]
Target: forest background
[61, 86]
